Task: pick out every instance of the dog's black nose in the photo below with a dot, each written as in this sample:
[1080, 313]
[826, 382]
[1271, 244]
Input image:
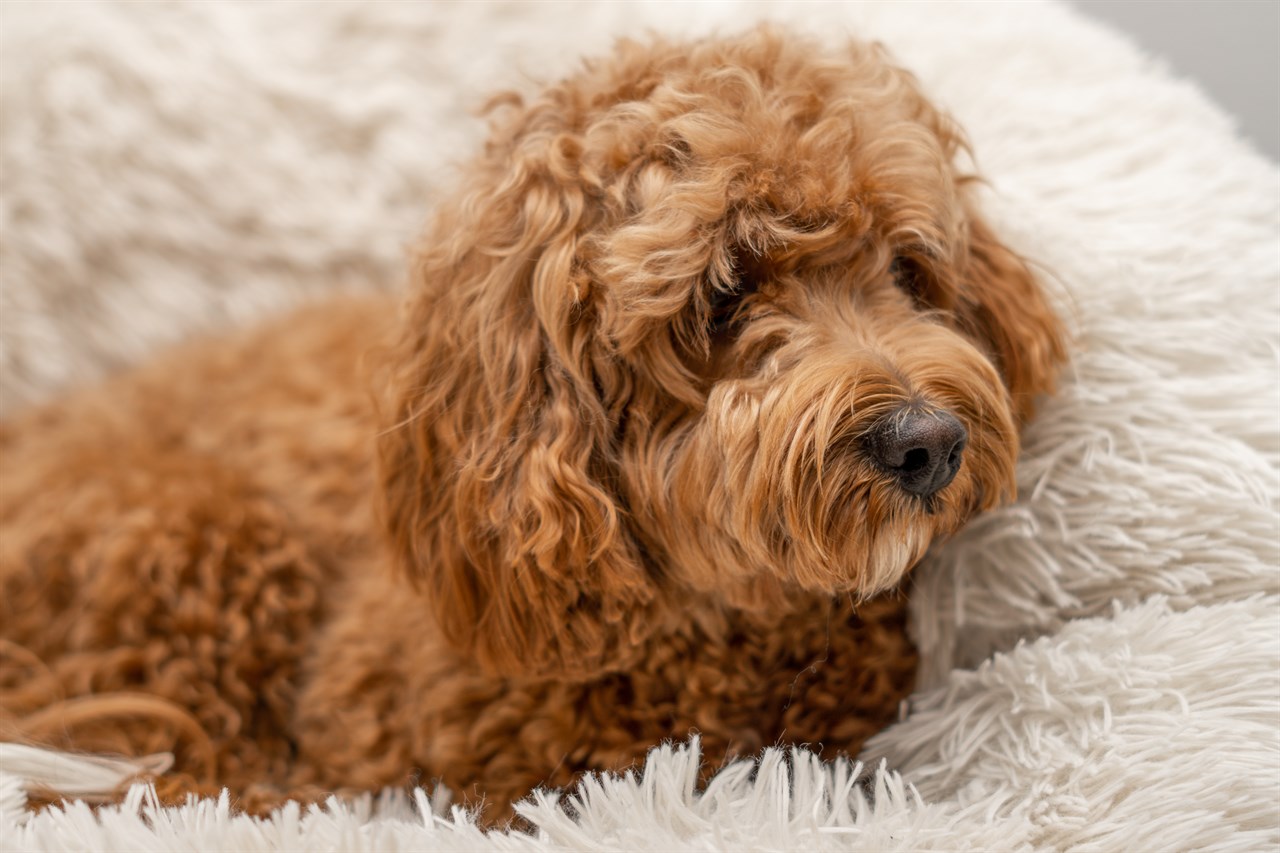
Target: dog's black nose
[922, 449]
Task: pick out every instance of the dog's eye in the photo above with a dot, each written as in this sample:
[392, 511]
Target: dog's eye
[723, 309]
[908, 276]
[725, 302]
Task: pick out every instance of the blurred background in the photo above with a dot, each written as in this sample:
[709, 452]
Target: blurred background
[1229, 47]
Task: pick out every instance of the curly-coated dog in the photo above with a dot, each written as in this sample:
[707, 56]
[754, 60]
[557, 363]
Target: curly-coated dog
[708, 350]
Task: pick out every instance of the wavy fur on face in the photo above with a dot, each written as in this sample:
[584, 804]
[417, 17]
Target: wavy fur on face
[620, 452]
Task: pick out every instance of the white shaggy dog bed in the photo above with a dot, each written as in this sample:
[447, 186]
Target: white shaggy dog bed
[1101, 659]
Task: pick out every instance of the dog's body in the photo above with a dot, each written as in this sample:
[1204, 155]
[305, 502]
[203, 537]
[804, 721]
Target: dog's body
[710, 352]
[220, 552]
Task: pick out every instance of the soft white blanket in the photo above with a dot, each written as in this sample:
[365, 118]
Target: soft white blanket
[1102, 659]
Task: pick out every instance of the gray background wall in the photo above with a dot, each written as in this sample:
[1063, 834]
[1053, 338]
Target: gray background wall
[1230, 47]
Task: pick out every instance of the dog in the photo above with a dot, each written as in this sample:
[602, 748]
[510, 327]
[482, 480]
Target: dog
[709, 348]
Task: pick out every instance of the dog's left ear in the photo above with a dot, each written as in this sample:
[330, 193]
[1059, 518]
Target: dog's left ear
[1002, 306]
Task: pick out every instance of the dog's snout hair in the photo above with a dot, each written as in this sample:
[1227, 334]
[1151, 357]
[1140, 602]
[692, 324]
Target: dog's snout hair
[779, 466]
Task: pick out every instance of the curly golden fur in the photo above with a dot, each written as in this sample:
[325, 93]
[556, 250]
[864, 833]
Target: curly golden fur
[612, 476]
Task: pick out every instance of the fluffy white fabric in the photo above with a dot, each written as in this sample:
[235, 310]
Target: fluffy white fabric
[1102, 658]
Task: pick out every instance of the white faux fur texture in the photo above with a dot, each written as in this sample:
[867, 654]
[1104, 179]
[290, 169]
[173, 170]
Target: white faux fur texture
[1102, 658]
[786, 801]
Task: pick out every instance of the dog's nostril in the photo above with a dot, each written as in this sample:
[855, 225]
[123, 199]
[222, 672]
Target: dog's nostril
[915, 459]
[922, 450]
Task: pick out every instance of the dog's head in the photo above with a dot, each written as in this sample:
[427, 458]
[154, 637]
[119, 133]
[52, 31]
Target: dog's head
[711, 319]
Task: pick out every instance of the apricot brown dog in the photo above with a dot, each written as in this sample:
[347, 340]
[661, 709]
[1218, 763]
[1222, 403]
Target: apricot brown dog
[709, 348]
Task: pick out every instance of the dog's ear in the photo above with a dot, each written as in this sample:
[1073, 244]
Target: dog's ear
[1001, 305]
[498, 456]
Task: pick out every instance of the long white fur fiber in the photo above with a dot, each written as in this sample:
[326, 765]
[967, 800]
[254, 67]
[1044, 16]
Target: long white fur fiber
[1101, 658]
